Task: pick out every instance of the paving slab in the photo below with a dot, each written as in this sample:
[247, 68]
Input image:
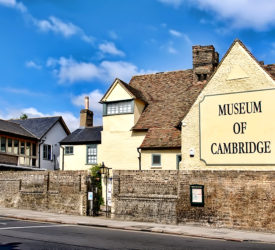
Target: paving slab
[184, 230]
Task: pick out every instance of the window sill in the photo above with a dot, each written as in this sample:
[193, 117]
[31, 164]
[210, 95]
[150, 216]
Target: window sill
[156, 167]
[129, 113]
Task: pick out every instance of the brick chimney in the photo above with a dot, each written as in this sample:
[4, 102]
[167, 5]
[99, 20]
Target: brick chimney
[205, 61]
[86, 115]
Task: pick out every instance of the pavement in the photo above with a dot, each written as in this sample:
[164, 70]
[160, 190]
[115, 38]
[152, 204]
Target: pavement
[101, 221]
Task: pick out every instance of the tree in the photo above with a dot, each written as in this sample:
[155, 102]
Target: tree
[24, 117]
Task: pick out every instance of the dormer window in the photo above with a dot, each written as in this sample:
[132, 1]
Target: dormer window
[120, 107]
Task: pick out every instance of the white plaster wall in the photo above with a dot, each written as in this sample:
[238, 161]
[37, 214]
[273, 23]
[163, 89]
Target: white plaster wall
[53, 137]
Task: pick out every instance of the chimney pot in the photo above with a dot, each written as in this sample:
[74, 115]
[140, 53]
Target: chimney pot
[86, 102]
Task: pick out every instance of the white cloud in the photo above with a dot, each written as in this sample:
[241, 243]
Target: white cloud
[110, 48]
[175, 33]
[56, 25]
[94, 98]
[14, 4]
[53, 24]
[255, 14]
[32, 112]
[67, 29]
[174, 3]
[87, 39]
[71, 121]
[120, 69]
[68, 70]
[32, 64]
[180, 34]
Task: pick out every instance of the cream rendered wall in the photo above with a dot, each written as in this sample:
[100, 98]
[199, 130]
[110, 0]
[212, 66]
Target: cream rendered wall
[119, 143]
[118, 93]
[138, 108]
[238, 72]
[168, 159]
[77, 161]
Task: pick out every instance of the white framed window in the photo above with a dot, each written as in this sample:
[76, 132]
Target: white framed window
[69, 150]
[123, 107]
[47, 152]
[92, 154]
[156, 160]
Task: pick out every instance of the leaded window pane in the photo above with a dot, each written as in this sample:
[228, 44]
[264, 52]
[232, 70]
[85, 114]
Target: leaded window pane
[119, 107]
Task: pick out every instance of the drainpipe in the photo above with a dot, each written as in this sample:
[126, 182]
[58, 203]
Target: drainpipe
[39, 153]
[62, 157]
[139, 158]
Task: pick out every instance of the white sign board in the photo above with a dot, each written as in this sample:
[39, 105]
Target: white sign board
[109, 193]
[197, 195]
[90, 196]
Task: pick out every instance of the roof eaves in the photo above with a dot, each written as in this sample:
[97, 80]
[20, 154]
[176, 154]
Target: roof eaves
[79, 142]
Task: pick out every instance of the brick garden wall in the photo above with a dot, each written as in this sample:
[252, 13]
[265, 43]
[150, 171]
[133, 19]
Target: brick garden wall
[51, 191]
[233, 199]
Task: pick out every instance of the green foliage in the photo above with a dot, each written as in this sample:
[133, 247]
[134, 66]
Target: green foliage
[96, 179]
[24, 117]
[95, 171]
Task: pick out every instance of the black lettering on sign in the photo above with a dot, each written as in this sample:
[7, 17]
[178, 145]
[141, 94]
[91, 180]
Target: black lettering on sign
[240, 108]
[260, 147]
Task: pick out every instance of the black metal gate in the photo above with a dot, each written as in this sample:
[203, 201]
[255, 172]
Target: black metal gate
[93, 195]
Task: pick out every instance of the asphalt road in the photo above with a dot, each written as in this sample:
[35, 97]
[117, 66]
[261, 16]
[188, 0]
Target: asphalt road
[18, 234]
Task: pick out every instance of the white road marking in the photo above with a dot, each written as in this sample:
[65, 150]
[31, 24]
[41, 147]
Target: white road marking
[7, 228]
[3, 223]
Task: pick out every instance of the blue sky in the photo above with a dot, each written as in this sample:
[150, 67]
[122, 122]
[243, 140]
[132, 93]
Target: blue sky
[55, 52]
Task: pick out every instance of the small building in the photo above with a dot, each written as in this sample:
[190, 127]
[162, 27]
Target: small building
[80, 149]
[18, 147]
[48, 131]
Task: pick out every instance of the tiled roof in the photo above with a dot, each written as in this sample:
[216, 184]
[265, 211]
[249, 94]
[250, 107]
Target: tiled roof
[162, 138]
[40, 126]
[84, 136]
[136, 93]
[271, 69]
[169, 95]
[14, 129]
